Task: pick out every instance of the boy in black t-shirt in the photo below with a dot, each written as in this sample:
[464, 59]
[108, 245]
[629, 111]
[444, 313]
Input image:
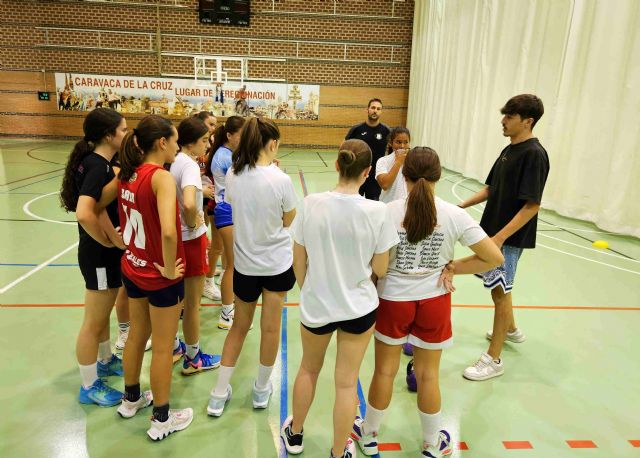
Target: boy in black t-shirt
[513, 194]
[375, 134]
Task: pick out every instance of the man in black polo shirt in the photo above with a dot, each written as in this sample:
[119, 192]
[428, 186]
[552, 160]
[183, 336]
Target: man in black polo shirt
[375, 134]
[513, 194]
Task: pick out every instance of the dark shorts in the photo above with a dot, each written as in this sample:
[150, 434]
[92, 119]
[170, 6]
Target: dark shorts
[164, 297]
[249, 288]
[370, 188]
[355, 326]
[100, 266]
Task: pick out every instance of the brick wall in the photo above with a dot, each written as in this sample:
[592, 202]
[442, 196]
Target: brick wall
[346, 45]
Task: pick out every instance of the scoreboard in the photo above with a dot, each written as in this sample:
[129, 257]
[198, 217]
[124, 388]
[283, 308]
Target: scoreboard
[226, 12]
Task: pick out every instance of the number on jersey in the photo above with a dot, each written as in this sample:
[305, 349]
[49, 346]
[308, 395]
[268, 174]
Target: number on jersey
[133, 226]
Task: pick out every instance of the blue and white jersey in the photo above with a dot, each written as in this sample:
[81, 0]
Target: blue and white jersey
[220, 164]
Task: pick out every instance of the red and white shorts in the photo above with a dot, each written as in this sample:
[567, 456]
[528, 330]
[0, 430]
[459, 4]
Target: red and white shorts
[196, 262]
[424, 323]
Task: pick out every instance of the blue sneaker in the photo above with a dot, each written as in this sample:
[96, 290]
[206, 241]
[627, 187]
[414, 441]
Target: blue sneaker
[442, 449]
[407, 349]
[179, 352]
[100, 393]
[368, 443]
[113, 367]
[201, 362]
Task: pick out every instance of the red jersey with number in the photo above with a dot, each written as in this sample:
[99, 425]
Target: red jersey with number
[141, 232]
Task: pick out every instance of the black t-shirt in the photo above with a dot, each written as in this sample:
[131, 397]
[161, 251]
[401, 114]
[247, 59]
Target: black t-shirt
[518, 176]
[376, 137]
[92, 175]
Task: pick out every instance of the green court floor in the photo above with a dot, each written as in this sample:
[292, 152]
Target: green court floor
[576, 377]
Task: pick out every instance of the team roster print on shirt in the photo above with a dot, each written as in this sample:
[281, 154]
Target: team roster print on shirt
[418, 257]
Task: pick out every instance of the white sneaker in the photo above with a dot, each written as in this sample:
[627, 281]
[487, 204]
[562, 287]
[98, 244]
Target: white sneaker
[350, 449]
[226, 319]
[217, 403]
[211, 291]
[441, 450]
[261, 398]
[128, 409]
[516, 336]
[178, 420]
[147, 346]
[122, 339]
[484, 369]
[218, 278]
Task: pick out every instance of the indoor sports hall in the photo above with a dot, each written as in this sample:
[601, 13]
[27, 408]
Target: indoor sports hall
[443, 69]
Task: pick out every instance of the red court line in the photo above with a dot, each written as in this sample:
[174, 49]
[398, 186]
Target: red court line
[582, 444]
[463, 306]
[635, 443]
[517, 445]
[463, 446]
[389, 447]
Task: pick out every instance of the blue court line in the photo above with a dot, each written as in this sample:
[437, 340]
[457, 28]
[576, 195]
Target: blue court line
[3, 264]
[284, 377]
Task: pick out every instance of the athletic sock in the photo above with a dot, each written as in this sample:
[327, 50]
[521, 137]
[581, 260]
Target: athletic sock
[224, 376]
[430, 427]
[176, 343]
[264, 373]
[88, 374]
[193, 349]
[104, 352]
[124, 327]
[161, 413]
[372, 420]
[132, 392]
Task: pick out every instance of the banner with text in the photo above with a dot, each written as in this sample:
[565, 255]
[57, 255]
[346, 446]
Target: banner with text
[184, 97]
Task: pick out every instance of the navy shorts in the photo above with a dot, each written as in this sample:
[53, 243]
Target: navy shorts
[164, 297]
[222, 215]
[504, 275]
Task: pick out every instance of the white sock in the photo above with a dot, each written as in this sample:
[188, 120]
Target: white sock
[224, 376]
[372, 420]
[227, 308]
[193, 349]
[104, 351]
[88, 374]
[264, 373]
[124, 327]
[430, 427]
[176, 343]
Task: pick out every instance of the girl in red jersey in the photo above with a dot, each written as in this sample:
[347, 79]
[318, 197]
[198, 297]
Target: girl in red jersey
[152, 268]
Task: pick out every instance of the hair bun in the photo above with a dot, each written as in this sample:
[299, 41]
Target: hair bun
[347, 157]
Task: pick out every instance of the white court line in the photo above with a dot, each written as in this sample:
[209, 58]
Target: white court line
[36, 269]
[453, 190]
[25, 208]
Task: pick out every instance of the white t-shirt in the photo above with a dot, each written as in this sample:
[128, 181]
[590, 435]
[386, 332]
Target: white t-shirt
[341, 233]
[259, 197]
[398, 189]
[414, 269]
[186, 172]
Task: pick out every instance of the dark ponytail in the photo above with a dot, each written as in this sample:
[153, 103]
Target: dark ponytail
[255, 136]
[353, 158]
[421, 167]
[140, 141]
[231, 126]
[97, 125]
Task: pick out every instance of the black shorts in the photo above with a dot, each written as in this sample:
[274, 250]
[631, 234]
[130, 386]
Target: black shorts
[370, 188]
[206, 207]
[164, 297]
[355, 326]
[100, 266]
[248, 288]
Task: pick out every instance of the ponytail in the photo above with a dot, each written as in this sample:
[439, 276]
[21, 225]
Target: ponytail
[421, 167]
[140, 141]
[354, 157]
[233, 125]
[255, 136]
[97, 125]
